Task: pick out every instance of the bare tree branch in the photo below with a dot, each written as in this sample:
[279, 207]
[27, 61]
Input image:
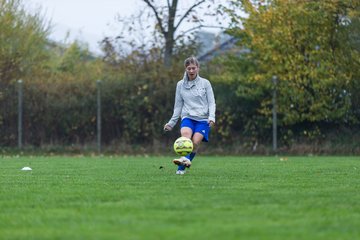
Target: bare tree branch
[172, 14]
[188, 12]
[156, 15]
[168, 24]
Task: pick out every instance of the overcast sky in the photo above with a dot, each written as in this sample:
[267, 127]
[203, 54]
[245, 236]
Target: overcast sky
[86, 20]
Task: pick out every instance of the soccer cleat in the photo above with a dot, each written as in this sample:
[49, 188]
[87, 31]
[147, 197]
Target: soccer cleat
[183, 161]
[180, 172]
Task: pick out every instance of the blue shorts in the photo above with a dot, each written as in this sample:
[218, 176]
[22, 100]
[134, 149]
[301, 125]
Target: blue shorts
[202, 127]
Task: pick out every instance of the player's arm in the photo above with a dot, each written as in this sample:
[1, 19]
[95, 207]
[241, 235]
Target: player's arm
[178, 105]
[212, 104]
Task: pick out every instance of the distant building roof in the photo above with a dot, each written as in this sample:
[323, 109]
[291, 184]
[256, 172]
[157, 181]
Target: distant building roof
[227, 46]
[219, 49]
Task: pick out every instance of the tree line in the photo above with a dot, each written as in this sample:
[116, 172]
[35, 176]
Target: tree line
[311, 47]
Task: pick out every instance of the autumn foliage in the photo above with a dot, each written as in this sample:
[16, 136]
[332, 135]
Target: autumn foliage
[311, 47]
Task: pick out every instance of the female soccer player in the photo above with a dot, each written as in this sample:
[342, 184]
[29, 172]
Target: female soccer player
[195, 104]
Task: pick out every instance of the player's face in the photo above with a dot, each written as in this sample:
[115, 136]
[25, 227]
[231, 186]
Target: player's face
[192, 71]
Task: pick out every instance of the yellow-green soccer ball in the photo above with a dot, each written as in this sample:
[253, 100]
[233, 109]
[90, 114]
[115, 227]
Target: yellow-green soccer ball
[183, 146]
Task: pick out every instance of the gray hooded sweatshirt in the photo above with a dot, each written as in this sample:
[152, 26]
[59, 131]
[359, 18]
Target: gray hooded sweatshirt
[193, 99]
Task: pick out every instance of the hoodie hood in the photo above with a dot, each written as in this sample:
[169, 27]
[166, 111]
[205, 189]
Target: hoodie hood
[189, 84]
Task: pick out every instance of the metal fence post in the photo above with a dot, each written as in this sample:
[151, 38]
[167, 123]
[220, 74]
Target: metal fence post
[274, 113]
[98, 118]
[20, 112]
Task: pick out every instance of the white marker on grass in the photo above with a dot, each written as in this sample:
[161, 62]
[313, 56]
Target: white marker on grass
[26, 169]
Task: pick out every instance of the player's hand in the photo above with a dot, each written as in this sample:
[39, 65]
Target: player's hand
[211, 123]
[167, 127]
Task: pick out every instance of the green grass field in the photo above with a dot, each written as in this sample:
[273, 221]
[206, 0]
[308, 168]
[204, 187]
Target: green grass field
[142, 198]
